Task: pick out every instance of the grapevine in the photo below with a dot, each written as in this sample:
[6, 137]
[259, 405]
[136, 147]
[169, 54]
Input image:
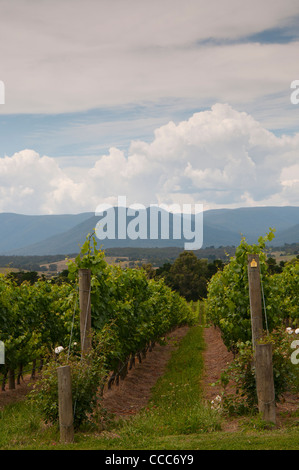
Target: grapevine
[129, 313]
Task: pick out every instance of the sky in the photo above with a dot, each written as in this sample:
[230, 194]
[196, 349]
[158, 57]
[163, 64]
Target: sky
[160, 101]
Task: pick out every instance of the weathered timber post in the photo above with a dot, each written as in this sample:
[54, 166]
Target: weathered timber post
[65, 403]
[255, 297]
[265, 382]
[85, 310]
[262, 352]
[11, 379]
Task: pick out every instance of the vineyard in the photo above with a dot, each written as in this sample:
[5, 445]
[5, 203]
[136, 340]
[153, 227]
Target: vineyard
[130, 314]
[228, 307]
[228, 303]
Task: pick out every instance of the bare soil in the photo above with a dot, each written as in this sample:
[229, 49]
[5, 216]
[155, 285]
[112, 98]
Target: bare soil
[216, 360]
[19, 393]
[133, 393]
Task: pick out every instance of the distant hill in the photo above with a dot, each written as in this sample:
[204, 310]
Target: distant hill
[63, 234]
[18, 231]
[289, 236]
[254, 221]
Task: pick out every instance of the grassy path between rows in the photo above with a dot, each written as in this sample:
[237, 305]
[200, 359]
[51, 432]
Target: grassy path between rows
[176, 418]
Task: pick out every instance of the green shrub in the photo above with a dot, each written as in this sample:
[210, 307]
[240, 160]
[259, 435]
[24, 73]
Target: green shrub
[241, 373]
[87, 376]
[227, 304]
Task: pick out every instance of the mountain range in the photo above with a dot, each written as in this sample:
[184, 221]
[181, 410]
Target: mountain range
[65, 233]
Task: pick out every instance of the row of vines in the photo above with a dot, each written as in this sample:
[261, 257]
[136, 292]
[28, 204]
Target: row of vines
[34, 319]
[228, 308]
[129, 314]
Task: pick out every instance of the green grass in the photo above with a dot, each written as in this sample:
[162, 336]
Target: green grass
[176, 406]
[21, 425]
[176, 418]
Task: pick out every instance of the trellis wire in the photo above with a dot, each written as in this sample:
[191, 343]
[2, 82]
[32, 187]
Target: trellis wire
[73, 320]
[264, 303]
[83, 340]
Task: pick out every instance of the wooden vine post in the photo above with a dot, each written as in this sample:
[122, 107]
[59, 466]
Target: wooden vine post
[65, 403]
[85, 310]
[265, 382]
[262, 352]
[65, 400]
[255, 297]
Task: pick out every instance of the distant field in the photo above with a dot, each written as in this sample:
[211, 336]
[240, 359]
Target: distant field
[122, 261]
[54, 267]
[8, 270]
[61, 265]
[282, 256]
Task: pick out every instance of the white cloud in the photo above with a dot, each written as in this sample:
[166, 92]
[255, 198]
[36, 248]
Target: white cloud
[32, 184]
[219, 158]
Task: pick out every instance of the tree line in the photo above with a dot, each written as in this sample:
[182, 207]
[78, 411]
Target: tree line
[190, 275]
[187, 274]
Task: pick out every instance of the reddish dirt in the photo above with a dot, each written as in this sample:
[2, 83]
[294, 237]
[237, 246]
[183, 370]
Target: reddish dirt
[19, 393]
[133, 393]
[216, 359]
